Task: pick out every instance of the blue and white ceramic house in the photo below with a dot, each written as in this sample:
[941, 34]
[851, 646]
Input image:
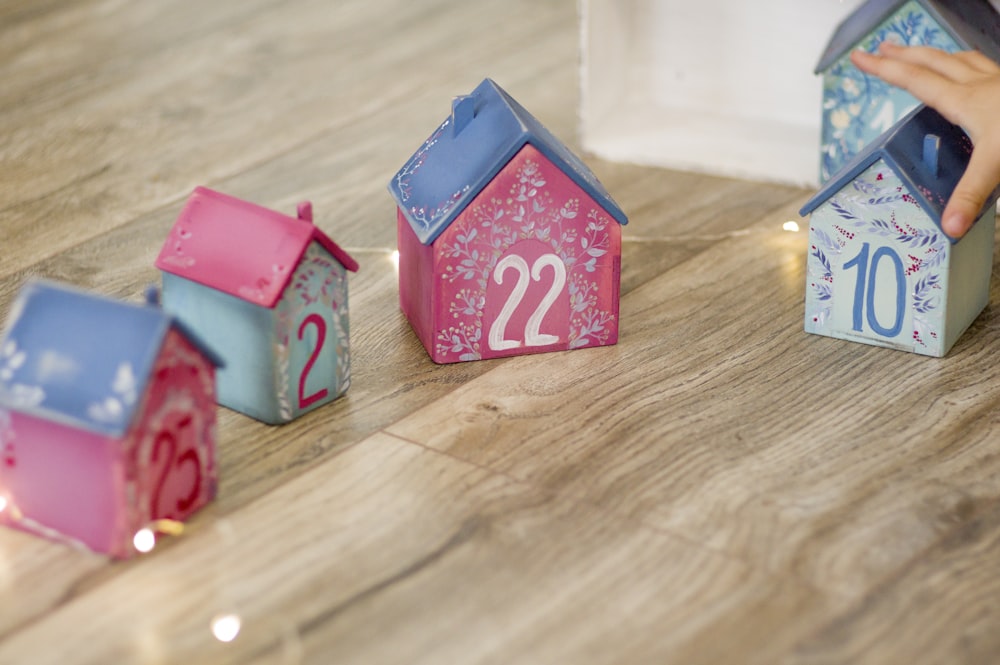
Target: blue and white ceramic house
[857, 108]
[107, 418]
[508, 243]
[880, 270]
[269, 292]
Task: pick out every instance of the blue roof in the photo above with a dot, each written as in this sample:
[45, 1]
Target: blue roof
[79, 358]
[452, 167]
[902, 150]
[974, 24]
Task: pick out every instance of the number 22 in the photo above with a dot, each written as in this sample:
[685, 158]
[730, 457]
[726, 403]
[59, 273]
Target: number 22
[532, 336]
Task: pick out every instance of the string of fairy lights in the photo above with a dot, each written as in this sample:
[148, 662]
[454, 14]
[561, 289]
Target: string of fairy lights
[224, 626]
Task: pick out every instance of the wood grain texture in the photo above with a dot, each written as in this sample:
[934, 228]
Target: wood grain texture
[717, 488]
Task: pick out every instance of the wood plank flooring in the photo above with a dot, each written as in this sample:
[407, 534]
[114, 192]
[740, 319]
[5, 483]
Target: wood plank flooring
[719, 487]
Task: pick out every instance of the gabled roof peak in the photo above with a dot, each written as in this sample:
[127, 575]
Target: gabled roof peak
[973, 24]
[928, 153]
[484, 130]
[80, 358]
[241, 248]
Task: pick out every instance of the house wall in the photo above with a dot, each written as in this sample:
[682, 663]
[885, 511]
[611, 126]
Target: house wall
[65, 483]
[529, 210]
[857, 107]
[718, 86]
[171, 450]
[853, 237]
[416, 282]
[312, 344]
[969, 278]
[241, 333]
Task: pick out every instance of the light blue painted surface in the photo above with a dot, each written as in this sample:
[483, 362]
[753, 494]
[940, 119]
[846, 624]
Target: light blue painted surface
[944, 287]
[315, 302]
[263, 352]
[857, 108]
[243, 334]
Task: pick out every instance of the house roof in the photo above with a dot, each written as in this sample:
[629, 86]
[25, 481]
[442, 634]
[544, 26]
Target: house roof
[486, 129]
[902, 149]
[241, 248]
[80, 358]
[974, 24]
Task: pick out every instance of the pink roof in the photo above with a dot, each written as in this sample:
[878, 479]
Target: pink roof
[241, 248]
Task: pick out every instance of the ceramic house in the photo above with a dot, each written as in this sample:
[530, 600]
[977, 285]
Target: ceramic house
[508, 244]
[107, 418]
[269, 292]
[880, 270]
[857, 108]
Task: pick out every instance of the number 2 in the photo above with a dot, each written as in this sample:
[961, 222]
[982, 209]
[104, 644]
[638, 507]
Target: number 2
[320, 323]
[532, 336]
[866, 296]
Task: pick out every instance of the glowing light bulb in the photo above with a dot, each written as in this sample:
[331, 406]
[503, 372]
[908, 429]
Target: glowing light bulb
[3, 503]
[226, 627]
[144, 540]
[394, 257]
[790, 226]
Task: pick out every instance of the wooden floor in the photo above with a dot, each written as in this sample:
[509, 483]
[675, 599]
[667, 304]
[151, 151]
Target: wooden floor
[717, 488]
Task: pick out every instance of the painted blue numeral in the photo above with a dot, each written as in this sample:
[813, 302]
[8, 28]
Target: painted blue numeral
[861, 261]
[863, 296]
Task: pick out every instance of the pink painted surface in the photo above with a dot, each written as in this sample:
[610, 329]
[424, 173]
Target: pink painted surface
[416, 281]
[531, 265]
[241, 248]
[64, 482]
[84, 488]
[173, 458]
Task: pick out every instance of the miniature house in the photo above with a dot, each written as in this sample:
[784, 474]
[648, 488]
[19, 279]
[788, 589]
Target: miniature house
[107, 418]
[270, 293]
[857, 108]
[880, 270]
[508, 244]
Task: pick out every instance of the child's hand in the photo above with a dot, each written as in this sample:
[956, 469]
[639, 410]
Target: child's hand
[964, 87]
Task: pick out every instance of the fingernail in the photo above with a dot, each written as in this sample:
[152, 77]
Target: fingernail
[955, 225]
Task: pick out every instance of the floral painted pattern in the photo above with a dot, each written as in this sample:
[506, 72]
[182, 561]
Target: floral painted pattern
[857, 108]
[319, 283]
[876, 209]
[122, 395]
[531, 208]
[18, 395]
[425, 216]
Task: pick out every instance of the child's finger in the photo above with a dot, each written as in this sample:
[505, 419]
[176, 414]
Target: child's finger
[979, 62]
[932, 59]
[925, 84]
[971, 193]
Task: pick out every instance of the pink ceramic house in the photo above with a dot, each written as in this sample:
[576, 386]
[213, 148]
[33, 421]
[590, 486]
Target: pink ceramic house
[508, 244]
[269, 291]
[107, 418]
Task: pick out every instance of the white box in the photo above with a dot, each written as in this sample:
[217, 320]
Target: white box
[718, 86]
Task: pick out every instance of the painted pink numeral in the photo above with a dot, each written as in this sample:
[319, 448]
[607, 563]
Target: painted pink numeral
[320, 324]
[172, 462]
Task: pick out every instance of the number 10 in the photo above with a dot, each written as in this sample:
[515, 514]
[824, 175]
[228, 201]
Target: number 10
[864, 298]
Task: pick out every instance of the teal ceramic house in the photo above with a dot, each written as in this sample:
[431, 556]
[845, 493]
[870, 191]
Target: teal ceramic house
[269, 292]
[857, 108]
[880, 270]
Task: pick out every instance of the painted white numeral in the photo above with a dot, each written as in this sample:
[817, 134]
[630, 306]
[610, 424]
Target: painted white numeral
[532, 336]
